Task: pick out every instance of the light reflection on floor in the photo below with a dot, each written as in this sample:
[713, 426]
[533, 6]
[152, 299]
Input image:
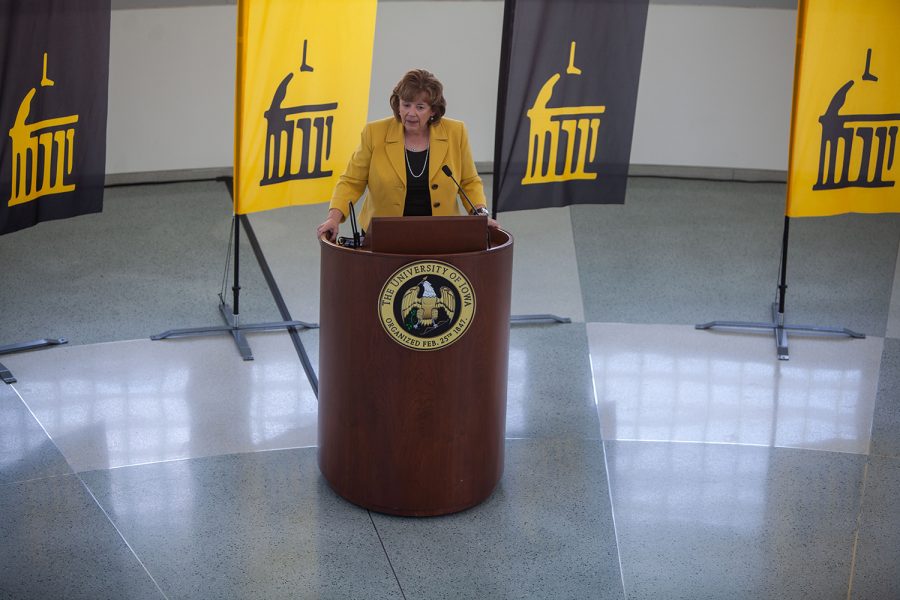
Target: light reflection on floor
[675, 383]
[127, 403]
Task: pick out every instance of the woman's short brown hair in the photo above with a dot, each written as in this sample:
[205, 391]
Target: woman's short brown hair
[412, 85]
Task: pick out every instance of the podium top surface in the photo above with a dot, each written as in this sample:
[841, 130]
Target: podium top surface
[427, 235]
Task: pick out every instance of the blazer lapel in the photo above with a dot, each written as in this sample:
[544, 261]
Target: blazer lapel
[394, 147]
[439, 144]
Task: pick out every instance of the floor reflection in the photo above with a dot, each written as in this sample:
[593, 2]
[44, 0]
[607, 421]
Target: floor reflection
[674, 383]
[676, 484]
[128, 403]
[516, 391]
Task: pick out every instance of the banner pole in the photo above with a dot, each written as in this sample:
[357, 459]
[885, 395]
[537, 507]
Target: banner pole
[509, 10]
[781, 340]
[782, 285]
[231, 314]
[236, 288]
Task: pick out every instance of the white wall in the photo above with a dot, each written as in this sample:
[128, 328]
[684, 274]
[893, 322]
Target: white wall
[171, 89]
[715, 86]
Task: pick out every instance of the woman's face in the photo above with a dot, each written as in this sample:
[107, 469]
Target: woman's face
[415, 114]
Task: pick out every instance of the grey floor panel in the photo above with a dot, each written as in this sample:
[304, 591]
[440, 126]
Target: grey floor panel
[26, 452]
[550, 390]
[699, 521]
[545, 272]
[57, 543]
[287, 237]
[886, 417]
[679, 251]
[262, 525]
[546, 532]
[893, 329]
[877, 572]
[841, 270]
[152, 260]
[685, 252]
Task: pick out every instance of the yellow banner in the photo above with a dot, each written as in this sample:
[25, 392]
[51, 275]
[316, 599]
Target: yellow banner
[844, 154]
[303, 72]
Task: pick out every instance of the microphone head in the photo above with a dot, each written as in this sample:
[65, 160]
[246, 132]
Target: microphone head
[447, 171]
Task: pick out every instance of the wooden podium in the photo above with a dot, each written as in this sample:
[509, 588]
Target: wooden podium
[413, 356]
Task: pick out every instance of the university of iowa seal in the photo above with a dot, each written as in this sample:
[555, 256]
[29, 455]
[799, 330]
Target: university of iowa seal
[426, 305]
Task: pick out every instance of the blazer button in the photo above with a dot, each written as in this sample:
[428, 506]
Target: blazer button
[434, 186]
[436, 204]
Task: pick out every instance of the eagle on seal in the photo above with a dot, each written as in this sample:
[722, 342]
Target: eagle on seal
[422, 311]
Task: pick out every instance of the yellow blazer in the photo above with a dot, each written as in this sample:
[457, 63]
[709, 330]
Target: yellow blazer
[379, 163]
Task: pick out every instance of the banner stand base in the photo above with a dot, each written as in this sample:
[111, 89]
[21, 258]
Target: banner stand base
[232, 315]
[5, 375]
[538, 319]
[780, 330]
[234, 328]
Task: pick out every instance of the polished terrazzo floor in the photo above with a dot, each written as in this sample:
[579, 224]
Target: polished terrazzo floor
[644, 458]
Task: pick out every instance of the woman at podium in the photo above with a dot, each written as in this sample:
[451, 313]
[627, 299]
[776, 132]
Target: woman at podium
[402, 160]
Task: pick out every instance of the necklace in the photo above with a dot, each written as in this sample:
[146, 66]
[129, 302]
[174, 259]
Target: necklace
[424, 166]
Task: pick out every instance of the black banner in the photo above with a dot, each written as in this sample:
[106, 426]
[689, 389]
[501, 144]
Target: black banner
[569, 74]
[54, 69]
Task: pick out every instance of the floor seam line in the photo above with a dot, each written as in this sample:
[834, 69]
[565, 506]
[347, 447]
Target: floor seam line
[855, 547]
[612, 515]
[122, 536]
[47, 433]
[34, 479]
[166, 461]
[390, 564]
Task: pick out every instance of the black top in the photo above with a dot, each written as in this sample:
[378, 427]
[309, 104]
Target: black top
[418, 198]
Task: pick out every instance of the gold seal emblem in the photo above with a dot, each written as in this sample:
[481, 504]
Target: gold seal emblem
[426, 305]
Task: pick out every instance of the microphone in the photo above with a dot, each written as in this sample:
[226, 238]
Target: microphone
[357, 240]
[353, 227]
[449, 174]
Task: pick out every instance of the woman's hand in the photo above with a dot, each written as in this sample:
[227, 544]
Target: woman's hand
[482, 210]
[331, 225]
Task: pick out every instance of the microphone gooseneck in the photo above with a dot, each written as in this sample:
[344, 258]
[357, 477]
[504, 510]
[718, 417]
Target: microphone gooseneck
[449, 174]
[353, 227]
[358, 235]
